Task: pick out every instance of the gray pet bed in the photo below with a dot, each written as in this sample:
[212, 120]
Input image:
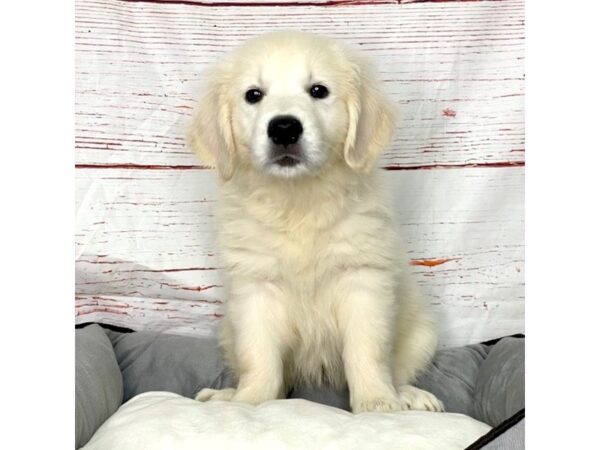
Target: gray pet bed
[484, 381]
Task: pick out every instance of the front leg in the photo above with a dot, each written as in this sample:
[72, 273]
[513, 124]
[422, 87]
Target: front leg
[366, 315]
[258, 322]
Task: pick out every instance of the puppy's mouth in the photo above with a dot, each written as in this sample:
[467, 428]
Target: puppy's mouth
[286, 160]
[286, 155]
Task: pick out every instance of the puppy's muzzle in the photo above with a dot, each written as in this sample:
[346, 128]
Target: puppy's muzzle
[284, 132]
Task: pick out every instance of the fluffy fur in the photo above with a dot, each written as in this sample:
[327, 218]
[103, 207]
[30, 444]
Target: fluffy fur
[318, 289]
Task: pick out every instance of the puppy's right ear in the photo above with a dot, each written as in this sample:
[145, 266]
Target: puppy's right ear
[210, 134]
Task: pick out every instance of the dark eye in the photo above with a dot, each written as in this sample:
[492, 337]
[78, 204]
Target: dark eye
[318, 91]
[253, 95]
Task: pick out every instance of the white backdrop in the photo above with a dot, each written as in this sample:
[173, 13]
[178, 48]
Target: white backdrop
[145, 247]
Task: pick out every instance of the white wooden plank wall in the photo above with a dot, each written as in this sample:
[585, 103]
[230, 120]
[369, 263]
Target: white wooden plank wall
[146, 257]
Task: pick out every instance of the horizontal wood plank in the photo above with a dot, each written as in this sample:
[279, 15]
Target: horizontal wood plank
[147, 259]
[284, 3]
[289, 3]
[128, 113]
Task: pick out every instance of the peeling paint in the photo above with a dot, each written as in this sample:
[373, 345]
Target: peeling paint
[431, 262]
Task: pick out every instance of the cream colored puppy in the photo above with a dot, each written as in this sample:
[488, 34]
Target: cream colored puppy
[318, 291]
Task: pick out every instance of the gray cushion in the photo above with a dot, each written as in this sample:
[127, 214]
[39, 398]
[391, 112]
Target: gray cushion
[453, 376]
[471, 380]
[163, 362]
[98, 382]
[511, 439]
[500, 390]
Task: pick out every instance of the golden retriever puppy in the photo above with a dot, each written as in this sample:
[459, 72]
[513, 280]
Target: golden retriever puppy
[318, 290]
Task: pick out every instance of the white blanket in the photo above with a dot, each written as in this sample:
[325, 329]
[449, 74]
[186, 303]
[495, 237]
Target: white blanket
[163, 420]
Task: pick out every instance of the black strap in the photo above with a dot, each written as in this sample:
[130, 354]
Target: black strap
[495, 432]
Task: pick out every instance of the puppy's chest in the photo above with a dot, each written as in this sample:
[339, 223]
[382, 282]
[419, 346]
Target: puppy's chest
[302, 250]
[302, 254]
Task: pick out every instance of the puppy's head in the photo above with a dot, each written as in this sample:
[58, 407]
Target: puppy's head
[287, 104]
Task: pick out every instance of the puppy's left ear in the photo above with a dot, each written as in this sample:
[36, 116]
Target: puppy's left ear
[371, 120]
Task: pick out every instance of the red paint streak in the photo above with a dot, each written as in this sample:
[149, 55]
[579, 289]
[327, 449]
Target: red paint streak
[170, 270]
[295, 3]
[431, 262]
[94, 305]
[99, 143]
[190, 288]
[200, 300]
[140, 166]
[285, 4]
[99, 262]
[448, 112]
[100, 309]
[434, 1]
[459, 166]
[199, 288]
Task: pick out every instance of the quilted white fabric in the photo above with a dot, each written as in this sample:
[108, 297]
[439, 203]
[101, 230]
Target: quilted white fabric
[163, 420]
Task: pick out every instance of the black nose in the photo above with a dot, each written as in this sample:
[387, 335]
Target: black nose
[284, 130]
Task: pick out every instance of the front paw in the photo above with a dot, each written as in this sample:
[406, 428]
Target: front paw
[253, 396]
[207, 394]
[379, 404]
[417, 399]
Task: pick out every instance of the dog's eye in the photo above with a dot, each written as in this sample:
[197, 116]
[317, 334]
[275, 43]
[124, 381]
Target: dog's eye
[318, 91]
[253, 95]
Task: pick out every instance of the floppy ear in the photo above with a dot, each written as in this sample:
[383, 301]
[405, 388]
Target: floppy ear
[371, 119]
[210, 134]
